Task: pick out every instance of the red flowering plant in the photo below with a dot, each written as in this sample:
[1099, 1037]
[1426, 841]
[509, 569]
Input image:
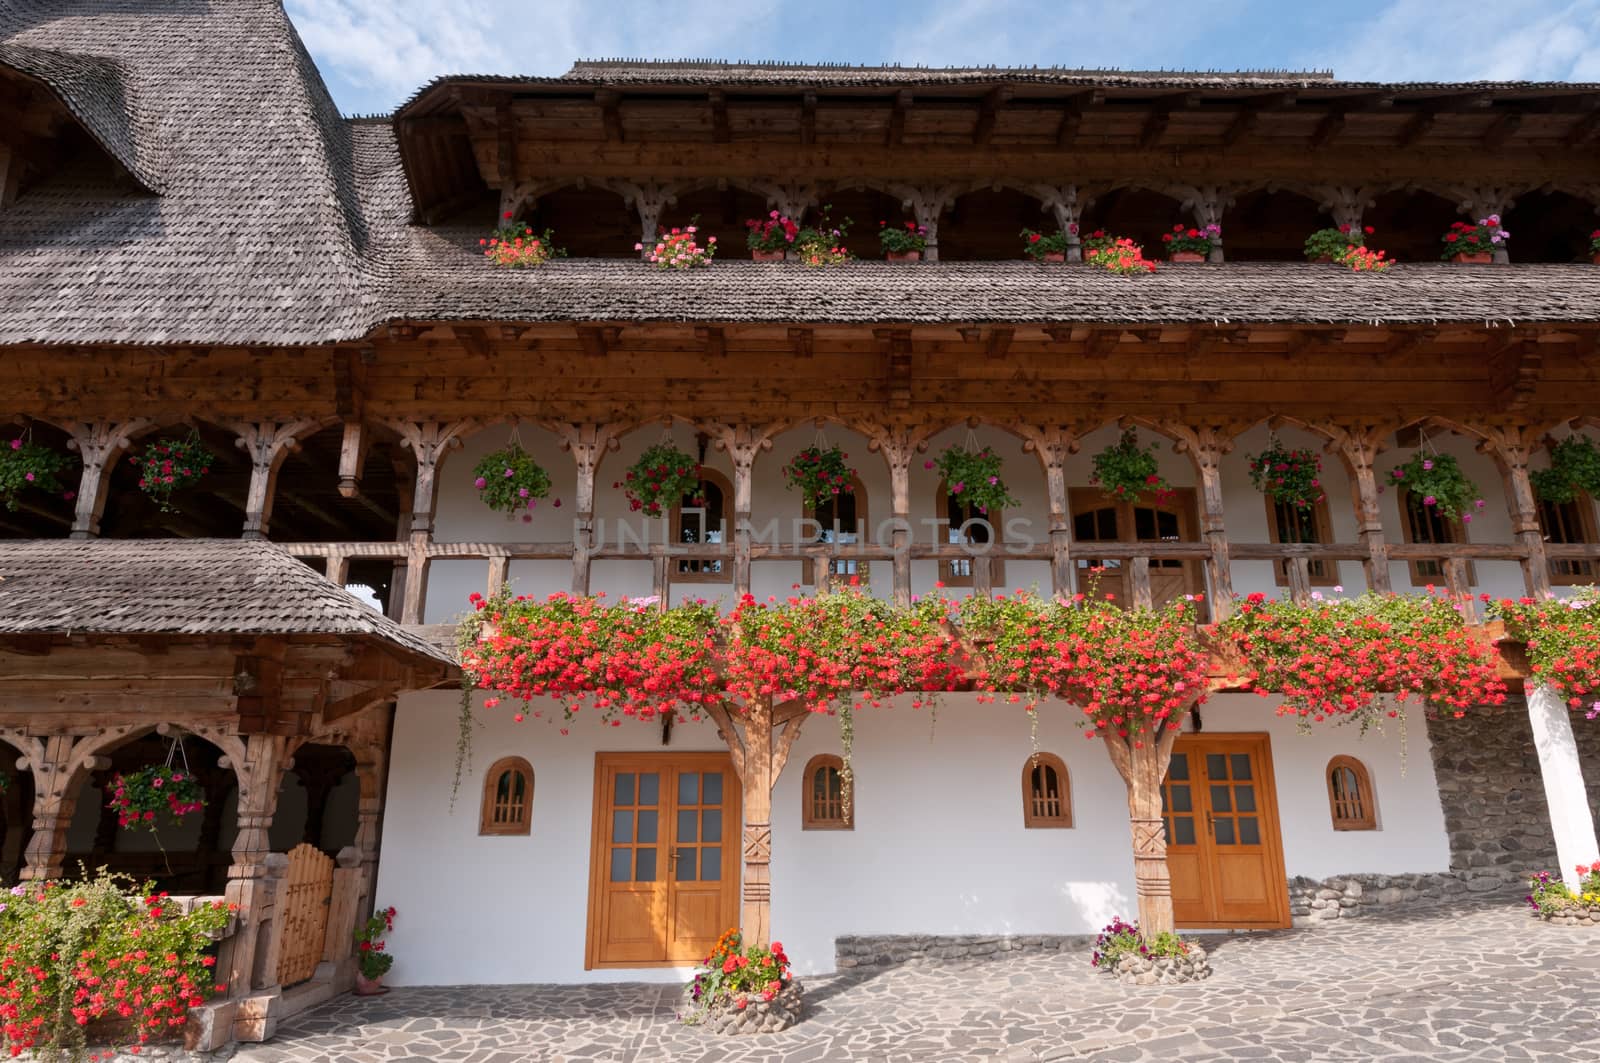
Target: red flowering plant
[735, 976]
[517, 246]
[820, 473]
[1121, 256]
[775, 232]
[1037, 245]
[25, 464]
[678, 248]
[1594, 242]
[91, 959]
[1287, 474]
[1120, 938]
[822, 242]
[1197, 241]
[170, 465]
[659, 479]
[1326, 245]
[1364, 260]
[897, 240]
[1332, 658]
[1127, 471]
[371, 955]
[1563, 640]
[1099, 239]
[142, 799]
[1479, 239]
[1550, 896]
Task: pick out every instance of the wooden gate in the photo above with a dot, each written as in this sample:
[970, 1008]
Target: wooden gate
[304, 904]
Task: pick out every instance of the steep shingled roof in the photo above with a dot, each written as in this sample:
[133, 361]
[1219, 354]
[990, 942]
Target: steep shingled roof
[180, 587]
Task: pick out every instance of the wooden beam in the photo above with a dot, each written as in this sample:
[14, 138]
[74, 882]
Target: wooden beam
[1584, 129]
[1249, 116]
[598, 339]
[896, 343]
[506, 149]
[1503, 129]
[1000, 341]
[715, 341]
[721, 131]
[808, 118]
[608, 101]
[1155, 126]
[802, 342]
[989, 113]
[1072, 115]
[897, 118]
[473, 340]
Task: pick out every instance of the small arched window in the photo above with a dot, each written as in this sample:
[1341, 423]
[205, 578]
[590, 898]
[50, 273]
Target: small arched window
[1350, 795]
[822, 796]
[1046, 792]
[843, 519]
[507, 798]
[704, 519]
[980, 532]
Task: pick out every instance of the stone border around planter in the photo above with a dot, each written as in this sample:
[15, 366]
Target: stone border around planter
[1192, 966]
[757, 1017]
[1573, 915]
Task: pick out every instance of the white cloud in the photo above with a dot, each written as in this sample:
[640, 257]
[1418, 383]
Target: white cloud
[1468, 40]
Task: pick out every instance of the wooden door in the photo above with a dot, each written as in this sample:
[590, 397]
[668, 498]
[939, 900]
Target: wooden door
[664, 865]
[307, 890]
[1097, 518]
[1223, 847]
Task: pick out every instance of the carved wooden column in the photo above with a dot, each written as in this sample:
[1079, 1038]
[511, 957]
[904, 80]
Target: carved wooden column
[1053, 446]
[1510, 446]
[1142, 766]
[1207, 203]
[649, 198]
[1065, 205]
[248, 962]
[790, 198]
[742, 443]
[429, 441]
[926, 203]
[267, 444]
[1344, 203]
[59, 771]
[353, 457]
[588, 444]
[898, 446]
[1206, 444]
[102, 444]
[1357, 443]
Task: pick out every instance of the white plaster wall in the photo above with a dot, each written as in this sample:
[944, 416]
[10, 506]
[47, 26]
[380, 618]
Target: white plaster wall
[938, 847]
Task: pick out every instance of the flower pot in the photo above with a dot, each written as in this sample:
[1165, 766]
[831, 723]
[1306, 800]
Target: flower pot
[1322, 258]
[1480, 258]
[1053, 256]
[903, 256]
[1597, 260]
[370, 987]
[766, 256]
[1187, 256]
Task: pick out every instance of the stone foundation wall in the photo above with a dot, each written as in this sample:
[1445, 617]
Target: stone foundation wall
[1313, 901]
[891, 950]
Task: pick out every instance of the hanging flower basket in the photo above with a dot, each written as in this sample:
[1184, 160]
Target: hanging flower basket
[820, 473]
[1574, 467]
[1042, 247]
[25, 464]
[661, 477]
[1287, 474]
[972, 476]
[167, 466]
[1594, 247]
[1437, 480]
[509, 479]
[1127, 471]
[144, 798]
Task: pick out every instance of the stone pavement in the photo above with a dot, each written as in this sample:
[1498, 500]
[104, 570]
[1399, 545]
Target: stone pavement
[1478, 980]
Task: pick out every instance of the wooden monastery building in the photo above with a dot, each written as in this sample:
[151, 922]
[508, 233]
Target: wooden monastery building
[194, 243]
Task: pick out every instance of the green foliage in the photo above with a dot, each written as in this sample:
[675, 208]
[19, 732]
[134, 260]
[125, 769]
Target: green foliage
[1437, 481]
[822, 243]
[167, 466]
[509, 479]
[1127, 471]
[733, 975]
[1118, 939]
[1287, 474]
[1574, 467]
[902, 238]
[1550, 895]
[369, 938]
[1040, 244]
[25, 464]
[973, 477]
[1331, 243]
[819, 474]
[661, 477]
[141, 798]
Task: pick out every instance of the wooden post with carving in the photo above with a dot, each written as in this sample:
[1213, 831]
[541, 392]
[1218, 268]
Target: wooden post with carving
[428, 440]
[267, 444]
[1142, 766]
[102, 444]
[1206, 444]
[1510, 446]
[1357, 444]
[1052, 446]
[588, 443]
[742, 442]
[898, 445]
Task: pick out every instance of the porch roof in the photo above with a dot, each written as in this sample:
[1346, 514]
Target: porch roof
[181, 587]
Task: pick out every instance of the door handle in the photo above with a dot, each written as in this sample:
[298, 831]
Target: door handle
[1211, 824]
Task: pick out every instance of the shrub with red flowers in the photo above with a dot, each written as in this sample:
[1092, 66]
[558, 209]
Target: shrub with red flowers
[1563, 639]
[735, 976]
[775, 232]
[897, 240]
[1037, 245]
[1365, 260]
[1127, 471]
[1196, 241]
[517, 246]
[86, 959]
[142, 798]
[1326, 245]
[1550, 897]
[1287, 474]
[1332, 658]
[678, 249]
[371, 955]
[661, 477]
[25, 464]
[1121, 256]
[170, 465]
[1479, 239]
[1099, 239]
[820, 473]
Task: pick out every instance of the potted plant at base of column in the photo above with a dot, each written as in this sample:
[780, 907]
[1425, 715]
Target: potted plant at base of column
[1044, 248]
[903, 244]
[743, 990]
[1189, 244]
[372, 962]
[1474, 244]
[770, 238]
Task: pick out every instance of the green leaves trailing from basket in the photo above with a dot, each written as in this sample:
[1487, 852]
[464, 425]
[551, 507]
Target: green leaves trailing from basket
[1437, 481]
[25, 464]
[1287, 474]
[509, 479]
[662, 477]
[1127, 471]
[1574, 467]
[820, 473]
[164, 791]
[973, 477]
[167, 466]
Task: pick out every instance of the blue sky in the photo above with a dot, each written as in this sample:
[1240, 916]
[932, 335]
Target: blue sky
[374, 53]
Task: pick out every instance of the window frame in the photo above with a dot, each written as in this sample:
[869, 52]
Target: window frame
[996, 519]
[1368, 820]
[1031, 818]
[863, 523]
[809, 820]
[487, 827]
[1454, 529]
[1322, 528]
[676, 531]
[1583, 509]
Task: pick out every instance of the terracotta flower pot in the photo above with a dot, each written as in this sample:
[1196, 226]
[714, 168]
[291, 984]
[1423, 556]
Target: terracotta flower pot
[766, 256]
[1054, 256]
[370, 987]
[903, 256]
[1323, 258]
[1187, 256]
[1480, 258]
[1597, 260]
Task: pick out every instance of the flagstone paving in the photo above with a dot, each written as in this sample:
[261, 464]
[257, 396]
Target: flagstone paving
[1478, 980]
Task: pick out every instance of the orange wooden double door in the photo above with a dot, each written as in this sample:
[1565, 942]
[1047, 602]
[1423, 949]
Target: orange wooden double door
[664, 858]
[1223, 846]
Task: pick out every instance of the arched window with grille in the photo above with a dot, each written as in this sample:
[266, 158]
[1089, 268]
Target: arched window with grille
[1046, 792]
[822, 795]
[507, 798]
[1350, 795]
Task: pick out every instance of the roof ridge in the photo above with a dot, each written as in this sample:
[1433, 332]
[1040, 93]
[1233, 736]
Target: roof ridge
[1055, 68]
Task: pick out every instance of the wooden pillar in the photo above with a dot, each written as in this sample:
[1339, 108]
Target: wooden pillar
[742, 442]
[1142, 767]
[898, 446]
[1207, 203]
[353, 457]
[1511, 447]
[102, 444]
[429, 441]
[791, 199]
[926, 203]
[1358, 445]
[249, 961]
[267, 444]
[588, 444]
[649, 198]
[59, 772]
[1052, 446]
[1344, 203]
[1064, 205]
[1206, 444]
